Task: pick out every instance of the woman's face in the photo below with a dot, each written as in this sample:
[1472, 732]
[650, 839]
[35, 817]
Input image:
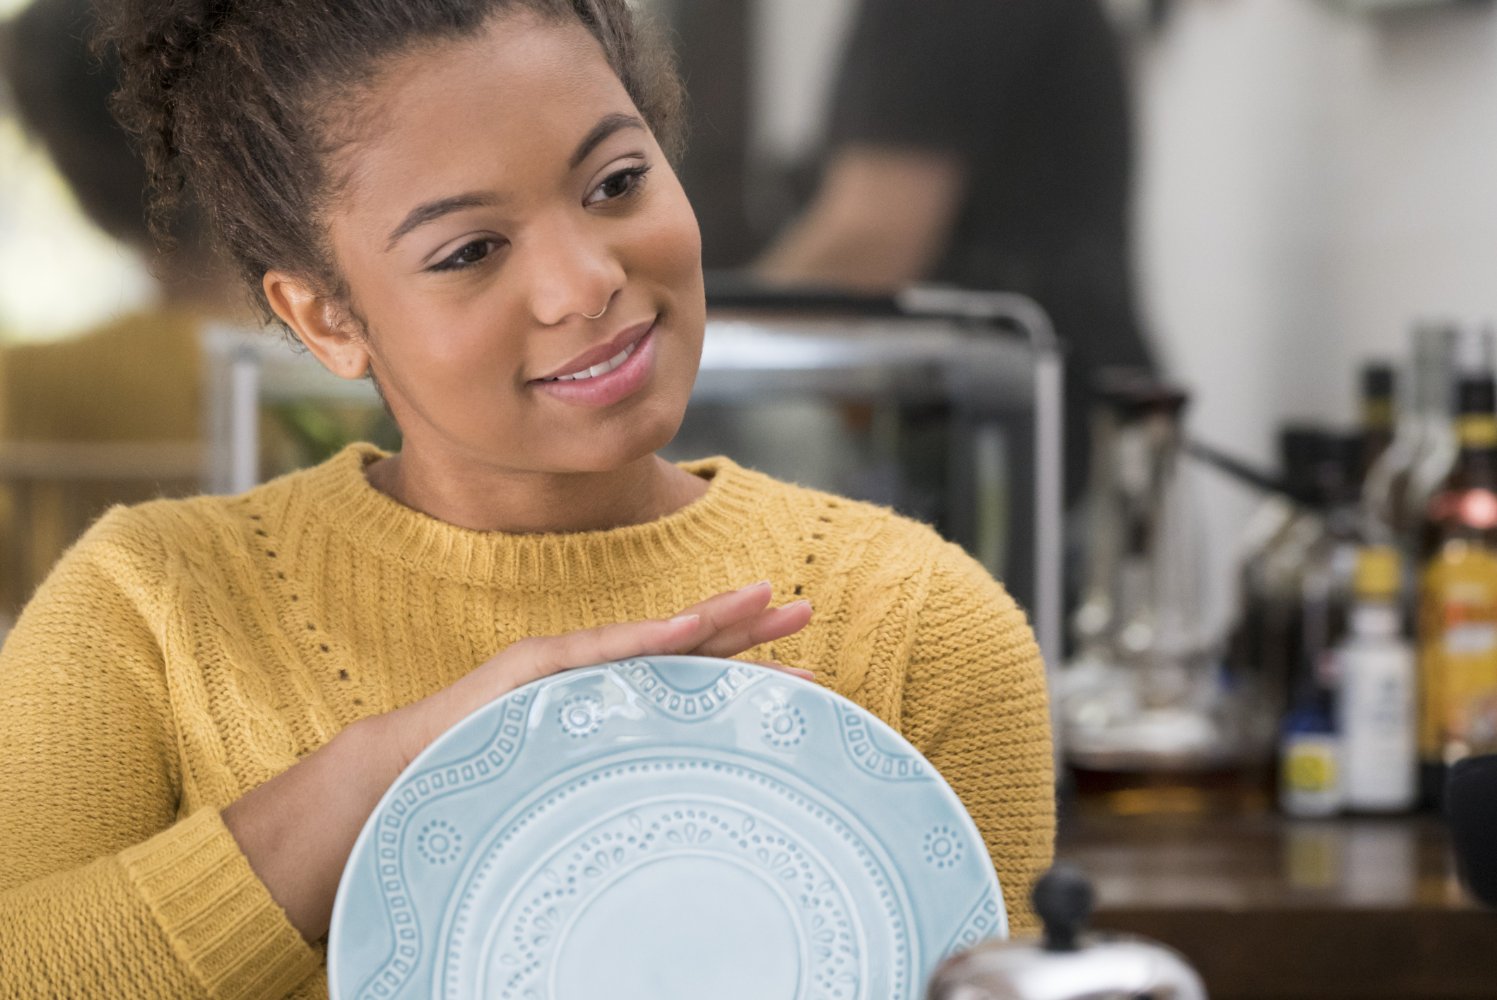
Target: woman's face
[503, 192]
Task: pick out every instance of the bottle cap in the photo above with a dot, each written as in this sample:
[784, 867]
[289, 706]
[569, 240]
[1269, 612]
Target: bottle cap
[1377, 572]
[1378, 379]
[1476, 395]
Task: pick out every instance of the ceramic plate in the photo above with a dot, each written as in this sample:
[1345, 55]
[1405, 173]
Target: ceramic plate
[663, 828]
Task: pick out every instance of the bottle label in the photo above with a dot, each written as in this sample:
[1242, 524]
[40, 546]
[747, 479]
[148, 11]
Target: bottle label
[1469, 709]
[1470, 638]
[1458, 657]
[1310, 767]
[1376, 722]
[1310, 782]
[1477, 430]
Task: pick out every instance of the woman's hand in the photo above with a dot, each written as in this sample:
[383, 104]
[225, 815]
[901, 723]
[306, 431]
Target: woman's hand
[299, 827]
[722, 626]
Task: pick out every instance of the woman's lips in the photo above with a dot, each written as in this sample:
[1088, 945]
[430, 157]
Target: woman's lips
[611, 387]
[621, 341]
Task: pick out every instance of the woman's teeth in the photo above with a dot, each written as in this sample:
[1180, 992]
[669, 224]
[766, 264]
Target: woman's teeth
[599, 369]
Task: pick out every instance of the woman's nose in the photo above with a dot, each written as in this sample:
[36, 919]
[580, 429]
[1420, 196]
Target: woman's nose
[572, 272]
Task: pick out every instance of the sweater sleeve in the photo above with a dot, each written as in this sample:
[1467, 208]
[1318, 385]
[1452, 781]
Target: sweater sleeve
[105, 891]
[975, 704]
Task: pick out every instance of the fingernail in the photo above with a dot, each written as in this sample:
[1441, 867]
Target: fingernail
[761, 583]
[801, 672]
[681, 619]
[797, 604]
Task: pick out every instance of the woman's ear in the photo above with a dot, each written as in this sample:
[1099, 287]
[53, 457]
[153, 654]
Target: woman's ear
[321, 323]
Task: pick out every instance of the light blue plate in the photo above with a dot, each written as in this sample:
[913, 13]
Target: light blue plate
[670, 828]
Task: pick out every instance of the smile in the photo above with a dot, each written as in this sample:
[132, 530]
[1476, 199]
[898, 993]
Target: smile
[612, 379]
[599, 369]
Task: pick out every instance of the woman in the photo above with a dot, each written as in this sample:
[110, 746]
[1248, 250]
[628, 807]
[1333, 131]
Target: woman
[468, 203]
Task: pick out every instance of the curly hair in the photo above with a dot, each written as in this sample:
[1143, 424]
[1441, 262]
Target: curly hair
[235, 104]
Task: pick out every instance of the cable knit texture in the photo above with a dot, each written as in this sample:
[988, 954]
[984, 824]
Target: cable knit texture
[185, 651]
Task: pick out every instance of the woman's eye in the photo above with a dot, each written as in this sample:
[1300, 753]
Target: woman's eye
[619, 185]
[466, 255]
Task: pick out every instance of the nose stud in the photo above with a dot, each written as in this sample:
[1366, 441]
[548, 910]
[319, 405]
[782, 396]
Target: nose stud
[598, 314]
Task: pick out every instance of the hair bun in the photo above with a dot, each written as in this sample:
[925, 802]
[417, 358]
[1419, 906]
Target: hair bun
[179, 31]
[159, 43]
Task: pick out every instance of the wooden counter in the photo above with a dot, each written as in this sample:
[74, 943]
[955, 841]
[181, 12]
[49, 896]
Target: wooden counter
[1266, 907]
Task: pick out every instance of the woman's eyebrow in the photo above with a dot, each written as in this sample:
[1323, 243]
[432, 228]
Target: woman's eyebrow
[432, 210]
[605, 128]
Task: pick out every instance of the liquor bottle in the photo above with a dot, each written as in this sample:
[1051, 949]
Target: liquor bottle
[1393, 509]
[1375, 703]
[1378, 415]
[1457, 635]
[1473, 357]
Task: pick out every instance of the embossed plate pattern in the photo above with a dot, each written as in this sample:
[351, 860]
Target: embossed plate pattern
[670, 828]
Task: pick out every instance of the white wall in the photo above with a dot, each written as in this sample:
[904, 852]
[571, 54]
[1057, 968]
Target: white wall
[1419, 224]
[1310, 181]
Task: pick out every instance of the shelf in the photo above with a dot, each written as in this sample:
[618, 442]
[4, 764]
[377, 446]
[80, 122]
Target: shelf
[1267, 907]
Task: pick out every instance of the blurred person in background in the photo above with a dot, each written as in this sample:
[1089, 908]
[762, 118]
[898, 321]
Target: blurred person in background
[136, 380]
[984, 144]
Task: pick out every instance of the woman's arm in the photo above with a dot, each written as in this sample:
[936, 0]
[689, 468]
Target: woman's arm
[298, 828]
[975, 704]
[104, 889]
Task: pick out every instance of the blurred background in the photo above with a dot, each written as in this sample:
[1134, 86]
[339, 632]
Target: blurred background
[1265, 233]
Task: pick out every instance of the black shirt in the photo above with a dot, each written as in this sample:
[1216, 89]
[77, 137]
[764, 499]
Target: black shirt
[1031, 95]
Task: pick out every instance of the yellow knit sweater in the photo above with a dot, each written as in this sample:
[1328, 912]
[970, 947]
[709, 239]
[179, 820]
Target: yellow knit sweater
[187, 650]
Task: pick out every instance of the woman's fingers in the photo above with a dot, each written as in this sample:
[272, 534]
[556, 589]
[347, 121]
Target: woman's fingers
[723, 625]
[531, 659]
[766, 626]
[727, 609]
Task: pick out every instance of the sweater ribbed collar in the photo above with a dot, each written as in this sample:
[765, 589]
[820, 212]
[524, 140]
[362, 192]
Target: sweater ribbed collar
[339, 495]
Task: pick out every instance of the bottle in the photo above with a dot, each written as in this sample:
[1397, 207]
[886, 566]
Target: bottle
[1310, 756]
[1375, 703]
[1377, 417]
[1473, 358]
[1392, 507]
[1457, 631]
